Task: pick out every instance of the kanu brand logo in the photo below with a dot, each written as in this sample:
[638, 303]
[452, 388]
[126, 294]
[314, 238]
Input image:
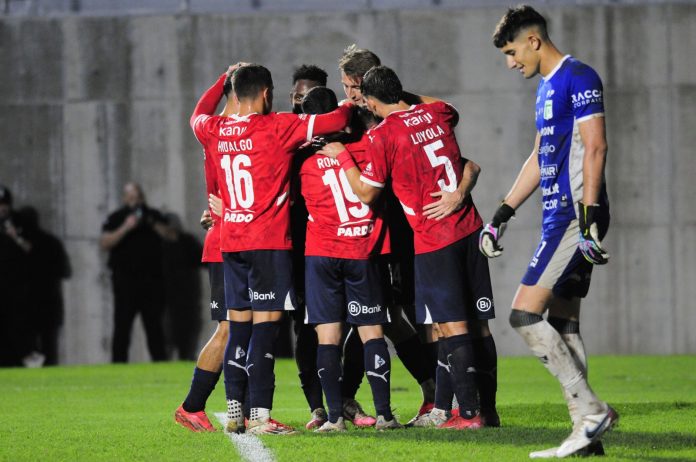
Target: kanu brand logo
[234, 130]
[583, 98]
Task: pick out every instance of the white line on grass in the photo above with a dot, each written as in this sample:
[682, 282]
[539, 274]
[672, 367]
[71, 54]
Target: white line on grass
[249, 447]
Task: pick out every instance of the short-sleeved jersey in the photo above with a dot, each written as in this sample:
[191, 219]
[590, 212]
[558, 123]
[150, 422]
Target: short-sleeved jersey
[252, 155]
[418, 150]
[211, 244]
[339, 225]
[567, 96]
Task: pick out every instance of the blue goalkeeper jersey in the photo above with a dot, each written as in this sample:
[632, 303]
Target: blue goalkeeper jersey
[567, 96]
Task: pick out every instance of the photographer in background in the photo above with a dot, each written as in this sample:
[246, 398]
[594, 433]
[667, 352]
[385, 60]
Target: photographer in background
[133, 235]
[15, 319]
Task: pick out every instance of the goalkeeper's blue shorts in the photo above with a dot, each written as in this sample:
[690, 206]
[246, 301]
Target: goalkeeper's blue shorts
[558, 264]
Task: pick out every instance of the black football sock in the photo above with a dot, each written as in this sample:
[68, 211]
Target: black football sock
[234, 366]
[443, 387]
[433, 351]
[202, 386]
[378, 369]
[306, 359]
[414, 358]
[353, 364]
[463, 374]
[486, 363]
[260, 365]
[329, 372]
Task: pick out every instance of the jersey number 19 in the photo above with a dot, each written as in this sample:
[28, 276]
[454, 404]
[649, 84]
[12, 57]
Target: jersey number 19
[344, 192]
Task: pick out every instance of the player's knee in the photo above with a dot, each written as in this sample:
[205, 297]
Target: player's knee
[564, 326]
[519, 318]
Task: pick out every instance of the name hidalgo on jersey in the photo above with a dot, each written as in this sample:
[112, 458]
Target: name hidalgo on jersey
[586, 97]
[243, 145]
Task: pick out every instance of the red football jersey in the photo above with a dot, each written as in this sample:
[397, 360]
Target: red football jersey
[418, 150]
[252, 155]
[339, 225]
[211, 244]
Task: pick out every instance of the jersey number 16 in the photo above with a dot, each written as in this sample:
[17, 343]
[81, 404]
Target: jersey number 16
[239, 183]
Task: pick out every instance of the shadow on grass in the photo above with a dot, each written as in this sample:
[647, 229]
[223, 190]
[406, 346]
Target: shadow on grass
[536, 426]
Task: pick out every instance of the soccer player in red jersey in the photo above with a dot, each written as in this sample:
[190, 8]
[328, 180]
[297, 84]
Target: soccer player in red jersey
[304, 79]
[191, 414]
[419, 361]
[416, 148]
[344, 275]
[252, 150]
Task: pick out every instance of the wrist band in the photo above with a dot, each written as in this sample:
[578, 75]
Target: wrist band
[345, 160]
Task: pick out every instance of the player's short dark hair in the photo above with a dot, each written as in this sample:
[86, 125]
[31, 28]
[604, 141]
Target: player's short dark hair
[319, 100]
[382, 83]
[310, 72]
[515, 20]
[355, 61]
[248, 81]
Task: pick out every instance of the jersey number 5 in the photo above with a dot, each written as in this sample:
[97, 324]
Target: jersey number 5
[435, 160]
[239, 183]
[344, 192]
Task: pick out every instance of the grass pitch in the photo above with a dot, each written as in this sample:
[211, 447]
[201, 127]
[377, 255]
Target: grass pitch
[125, 412]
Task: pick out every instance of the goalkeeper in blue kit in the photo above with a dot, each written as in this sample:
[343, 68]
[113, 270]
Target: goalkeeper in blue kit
[567, 163]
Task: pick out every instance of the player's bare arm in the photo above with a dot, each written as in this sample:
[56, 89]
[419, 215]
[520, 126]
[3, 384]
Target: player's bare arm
[215, 203]
[449, 202]
[366, 193]
[527, 180]
[212, 96]
[592, 133]
[526, 183]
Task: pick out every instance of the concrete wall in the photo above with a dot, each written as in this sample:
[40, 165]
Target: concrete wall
[87, 103]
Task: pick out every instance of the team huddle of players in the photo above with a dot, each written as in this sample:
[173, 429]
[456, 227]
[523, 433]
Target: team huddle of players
[355, 217]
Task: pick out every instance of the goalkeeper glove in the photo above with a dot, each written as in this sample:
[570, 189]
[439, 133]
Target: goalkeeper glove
[590, 245]
[493, 231]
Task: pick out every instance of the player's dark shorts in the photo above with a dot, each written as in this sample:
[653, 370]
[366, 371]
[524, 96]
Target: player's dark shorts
[259, 279]
[453, 284]
[558, 264]
[216, 276]
[339, 289]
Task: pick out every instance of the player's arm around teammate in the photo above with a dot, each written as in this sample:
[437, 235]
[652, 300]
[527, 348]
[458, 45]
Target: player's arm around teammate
[343, 276]
[429, 159]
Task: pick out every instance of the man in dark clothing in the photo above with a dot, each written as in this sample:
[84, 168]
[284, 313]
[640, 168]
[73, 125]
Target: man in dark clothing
[133, 236]
[48, 266]
[182, 281]
[14, 320]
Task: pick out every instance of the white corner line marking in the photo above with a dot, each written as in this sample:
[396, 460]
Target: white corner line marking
[249, 447]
